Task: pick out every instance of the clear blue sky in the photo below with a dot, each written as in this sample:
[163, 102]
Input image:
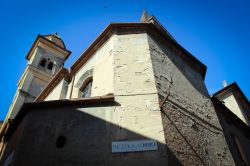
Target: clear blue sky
[216, 32]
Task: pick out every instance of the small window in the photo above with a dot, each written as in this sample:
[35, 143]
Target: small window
[86, 90]
[43, 62]
[50, 66]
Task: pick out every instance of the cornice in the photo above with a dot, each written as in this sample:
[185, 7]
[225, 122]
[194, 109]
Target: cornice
[41, 39]
[133, 27]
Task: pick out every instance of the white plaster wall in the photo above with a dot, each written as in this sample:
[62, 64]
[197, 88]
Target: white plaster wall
[135, 121]
[56, 92]
[103, 74]
[133, 67]
[102, 64]
[115, 115]
[137, 114]
[124, 64]
[232, 104]
[134, 88]
[36, 86]
[68, 94]
[27, 80]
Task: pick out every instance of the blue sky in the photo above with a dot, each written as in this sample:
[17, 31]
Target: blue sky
[216, 32]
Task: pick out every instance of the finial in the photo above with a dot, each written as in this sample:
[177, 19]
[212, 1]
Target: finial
[144, 16]
[56, 34]
[224, 83]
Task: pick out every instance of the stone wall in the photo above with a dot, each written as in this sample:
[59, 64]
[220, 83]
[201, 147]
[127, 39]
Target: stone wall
[192, 131]
[12, 146]
[58, 92]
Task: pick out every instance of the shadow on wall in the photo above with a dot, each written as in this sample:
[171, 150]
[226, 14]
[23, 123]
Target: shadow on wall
[237, 133]
[182, 64]
[69, 136]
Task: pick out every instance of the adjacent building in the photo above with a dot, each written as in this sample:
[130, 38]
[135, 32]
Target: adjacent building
[233, 110]
[235, 100]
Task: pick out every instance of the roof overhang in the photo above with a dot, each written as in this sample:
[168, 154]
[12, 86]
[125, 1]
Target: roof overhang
[231, 89]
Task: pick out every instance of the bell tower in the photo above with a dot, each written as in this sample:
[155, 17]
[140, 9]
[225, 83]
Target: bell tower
[45, 58]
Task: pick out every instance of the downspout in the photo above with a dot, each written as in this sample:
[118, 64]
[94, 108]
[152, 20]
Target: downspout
[3, 129]
[2, 132]
[71, 89]
[2, 149]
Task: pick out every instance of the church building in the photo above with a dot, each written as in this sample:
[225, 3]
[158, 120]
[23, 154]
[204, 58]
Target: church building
[134, 97]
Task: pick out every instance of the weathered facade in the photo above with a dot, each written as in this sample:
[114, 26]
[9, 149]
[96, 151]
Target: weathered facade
[134, 83]
[192, 130]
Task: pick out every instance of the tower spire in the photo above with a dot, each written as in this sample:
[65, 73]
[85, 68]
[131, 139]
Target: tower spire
[45, 58]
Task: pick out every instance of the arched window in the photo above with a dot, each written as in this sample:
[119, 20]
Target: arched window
[50, 66]
[85, 91]
[43, 62]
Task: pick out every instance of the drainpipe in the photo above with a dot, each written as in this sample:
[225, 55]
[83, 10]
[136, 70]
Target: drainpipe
[3, 129]
[71, 89]
[2, 132]
[2, 149]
